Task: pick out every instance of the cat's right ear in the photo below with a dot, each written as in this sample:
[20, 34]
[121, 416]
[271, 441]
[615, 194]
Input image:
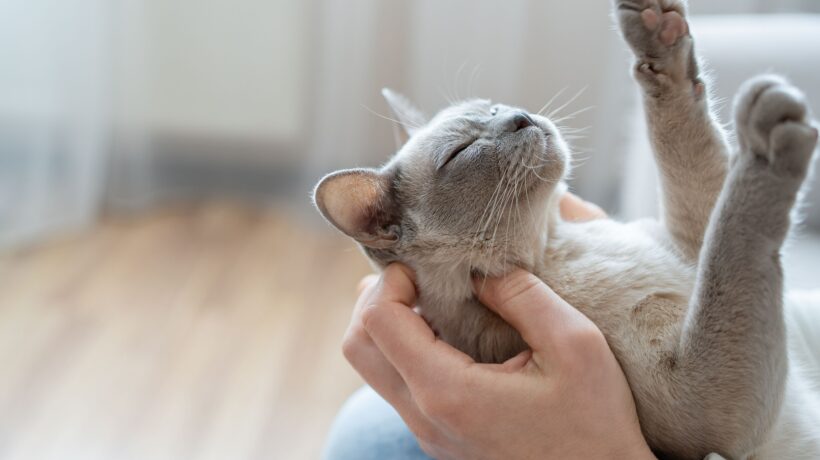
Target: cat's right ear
[358, 202]
[409, 117]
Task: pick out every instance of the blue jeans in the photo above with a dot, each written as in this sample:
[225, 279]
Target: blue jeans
[368, 428]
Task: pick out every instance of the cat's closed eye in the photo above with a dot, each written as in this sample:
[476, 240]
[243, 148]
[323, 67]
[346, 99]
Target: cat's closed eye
[456, 152]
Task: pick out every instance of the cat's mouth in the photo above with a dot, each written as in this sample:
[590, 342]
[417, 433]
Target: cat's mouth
[543, 164]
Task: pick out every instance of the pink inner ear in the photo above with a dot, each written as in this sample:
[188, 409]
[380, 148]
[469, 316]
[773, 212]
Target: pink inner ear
[348, 200]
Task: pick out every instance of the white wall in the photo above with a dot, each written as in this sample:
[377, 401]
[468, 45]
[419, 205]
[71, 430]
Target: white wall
[518, 51]
[226, 67]
[303, 78]
[287, 87]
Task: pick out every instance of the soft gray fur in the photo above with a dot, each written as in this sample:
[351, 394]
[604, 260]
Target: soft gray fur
[691, 306]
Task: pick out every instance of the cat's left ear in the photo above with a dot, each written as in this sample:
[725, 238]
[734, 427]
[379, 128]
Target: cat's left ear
[359, 203]
[409, 117]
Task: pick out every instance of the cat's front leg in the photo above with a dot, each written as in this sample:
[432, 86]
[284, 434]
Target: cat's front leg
[689, 145]
[729, 370]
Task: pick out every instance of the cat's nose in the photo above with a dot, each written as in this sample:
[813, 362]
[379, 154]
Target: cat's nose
[519, 121]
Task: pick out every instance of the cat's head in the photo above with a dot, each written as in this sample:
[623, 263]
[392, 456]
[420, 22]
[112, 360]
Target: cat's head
[470, 188]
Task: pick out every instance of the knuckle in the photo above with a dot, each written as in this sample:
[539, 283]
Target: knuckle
[352, 345]
[515, 286]
[587, 343]
[370, 315]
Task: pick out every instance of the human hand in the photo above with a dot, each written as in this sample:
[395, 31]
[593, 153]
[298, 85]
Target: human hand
[566, 398]
[574, 208]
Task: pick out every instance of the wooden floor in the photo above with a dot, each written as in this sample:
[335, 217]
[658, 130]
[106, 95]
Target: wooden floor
[206, 333]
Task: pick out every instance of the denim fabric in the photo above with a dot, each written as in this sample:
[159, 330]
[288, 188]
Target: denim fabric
[368, 428]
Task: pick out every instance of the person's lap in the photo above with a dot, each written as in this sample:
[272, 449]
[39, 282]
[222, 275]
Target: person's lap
[368, 428]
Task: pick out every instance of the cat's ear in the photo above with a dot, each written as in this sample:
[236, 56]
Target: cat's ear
[409, 117]
[358, 202]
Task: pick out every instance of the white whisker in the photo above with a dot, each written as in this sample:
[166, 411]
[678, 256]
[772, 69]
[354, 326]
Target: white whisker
[552, 99]
[400, 123]
[565, 104]
[573, 114]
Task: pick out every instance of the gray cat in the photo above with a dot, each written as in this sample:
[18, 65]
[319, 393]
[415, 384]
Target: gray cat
[692, 306]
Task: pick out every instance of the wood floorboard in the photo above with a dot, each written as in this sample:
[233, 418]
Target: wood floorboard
[208, 332]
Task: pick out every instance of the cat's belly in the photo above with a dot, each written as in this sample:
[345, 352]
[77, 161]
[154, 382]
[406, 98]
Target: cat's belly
[625, 277]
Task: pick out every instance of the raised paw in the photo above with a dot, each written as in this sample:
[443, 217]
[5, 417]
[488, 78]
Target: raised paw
[772, 123]
[658, 33]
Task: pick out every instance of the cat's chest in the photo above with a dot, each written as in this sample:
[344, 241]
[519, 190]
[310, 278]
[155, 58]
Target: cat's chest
[619, 275]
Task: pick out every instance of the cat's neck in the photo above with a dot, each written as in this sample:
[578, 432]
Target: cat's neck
[449, 280]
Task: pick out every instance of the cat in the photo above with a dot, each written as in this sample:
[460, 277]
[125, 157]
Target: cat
[691, 305]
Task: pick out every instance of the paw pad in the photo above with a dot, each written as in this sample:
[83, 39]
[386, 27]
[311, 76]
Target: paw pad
[672, 25]
[657, 32]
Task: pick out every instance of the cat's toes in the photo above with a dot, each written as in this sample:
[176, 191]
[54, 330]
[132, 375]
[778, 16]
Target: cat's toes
[658, 33]
[772, 123]
[669, 26]
[651, 27]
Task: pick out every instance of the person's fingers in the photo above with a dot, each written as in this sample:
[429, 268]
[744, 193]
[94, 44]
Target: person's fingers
[362, 353]
[404, 337]
[371, 364]
[574, 208]
[541, 317]
[365, 282]
[379, 373]
[359, 348]
[397, 284]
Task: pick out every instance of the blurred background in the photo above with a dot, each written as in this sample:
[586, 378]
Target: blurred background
[167, 291]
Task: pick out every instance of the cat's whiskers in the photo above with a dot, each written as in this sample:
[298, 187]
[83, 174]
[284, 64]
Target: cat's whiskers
[494, 206]
[443, 93]
[473, 76]
[552, 99]
[570, 130]
[565, 104]
[456, 78]
[516, 224]
[498, 214]
[478, 235]
[534, 168]
[573, 114]
[505, 200]
[398, 122]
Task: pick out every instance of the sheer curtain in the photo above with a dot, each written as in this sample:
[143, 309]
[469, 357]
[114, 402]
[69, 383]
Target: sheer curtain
[53, 115]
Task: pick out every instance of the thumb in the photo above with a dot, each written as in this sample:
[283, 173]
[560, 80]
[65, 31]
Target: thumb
[541, 316]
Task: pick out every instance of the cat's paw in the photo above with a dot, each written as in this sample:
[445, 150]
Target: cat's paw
[658, 33]
[772, 123]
